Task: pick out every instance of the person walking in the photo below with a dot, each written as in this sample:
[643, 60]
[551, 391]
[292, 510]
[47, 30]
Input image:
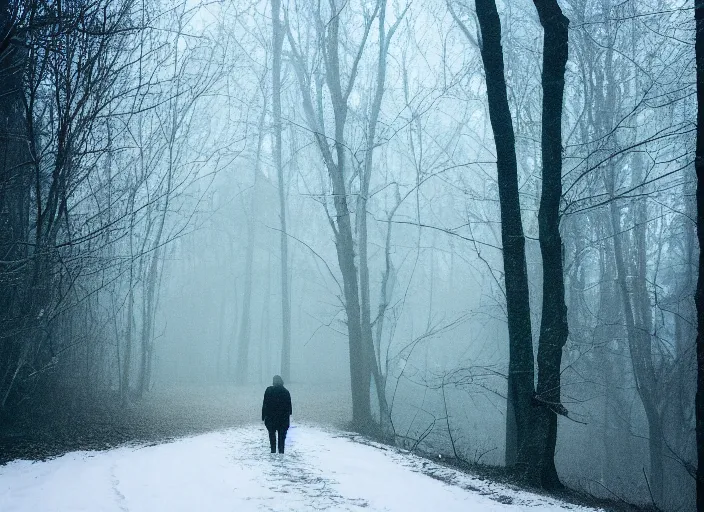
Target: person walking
[276, 412]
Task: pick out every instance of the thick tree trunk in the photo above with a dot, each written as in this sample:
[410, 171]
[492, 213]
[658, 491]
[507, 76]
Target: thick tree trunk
[553, 325]
[278, 39]
[699, 297]
[359, 364]
[521, 364]
[511, 436]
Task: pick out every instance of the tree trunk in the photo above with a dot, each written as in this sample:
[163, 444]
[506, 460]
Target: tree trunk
[278, 38]
[655, 388]
[699, 297]
[638, 329]
[553, 324]
[127, 360]
[385, 292]
[373, 358]
[127, 357]
[359, 368]
[359, 364]
[656, 451]
[149, 310]
[360, 374]
[521, 364]
[607, 317]
[511, 450]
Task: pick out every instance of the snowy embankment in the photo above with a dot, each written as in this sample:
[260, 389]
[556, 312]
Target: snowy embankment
[232, 470]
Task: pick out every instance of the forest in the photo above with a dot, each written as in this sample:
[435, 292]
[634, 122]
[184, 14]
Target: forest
[472, 226]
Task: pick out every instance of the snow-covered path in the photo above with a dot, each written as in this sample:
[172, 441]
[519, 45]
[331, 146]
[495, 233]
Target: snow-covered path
[232, 471]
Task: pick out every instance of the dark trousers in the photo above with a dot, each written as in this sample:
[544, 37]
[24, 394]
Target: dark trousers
[282, 438]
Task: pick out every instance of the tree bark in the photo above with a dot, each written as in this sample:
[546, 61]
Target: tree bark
[553, 324]
[699, 297]
[521, 364]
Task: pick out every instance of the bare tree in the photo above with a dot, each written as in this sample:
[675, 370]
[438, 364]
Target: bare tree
[553, 324]
[328, 33]
[699, 166]
[521, 415]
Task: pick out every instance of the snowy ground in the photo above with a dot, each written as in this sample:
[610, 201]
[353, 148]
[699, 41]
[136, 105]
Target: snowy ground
[232, 471]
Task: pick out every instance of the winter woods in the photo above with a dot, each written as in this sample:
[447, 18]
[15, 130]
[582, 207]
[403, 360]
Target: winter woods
[479, 219]
[99, 112]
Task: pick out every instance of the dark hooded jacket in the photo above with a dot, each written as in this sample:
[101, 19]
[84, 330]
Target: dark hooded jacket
[276, 408]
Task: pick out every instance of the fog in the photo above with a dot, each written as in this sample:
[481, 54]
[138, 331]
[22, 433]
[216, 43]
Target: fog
[196, 196]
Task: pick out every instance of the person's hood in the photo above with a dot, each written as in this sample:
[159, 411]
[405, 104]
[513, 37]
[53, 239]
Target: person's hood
[278, 381]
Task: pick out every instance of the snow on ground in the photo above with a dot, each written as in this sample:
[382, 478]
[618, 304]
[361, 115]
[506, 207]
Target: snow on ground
[232, 471]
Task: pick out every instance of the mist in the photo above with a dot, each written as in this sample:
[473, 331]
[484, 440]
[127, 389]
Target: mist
[465, 229]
